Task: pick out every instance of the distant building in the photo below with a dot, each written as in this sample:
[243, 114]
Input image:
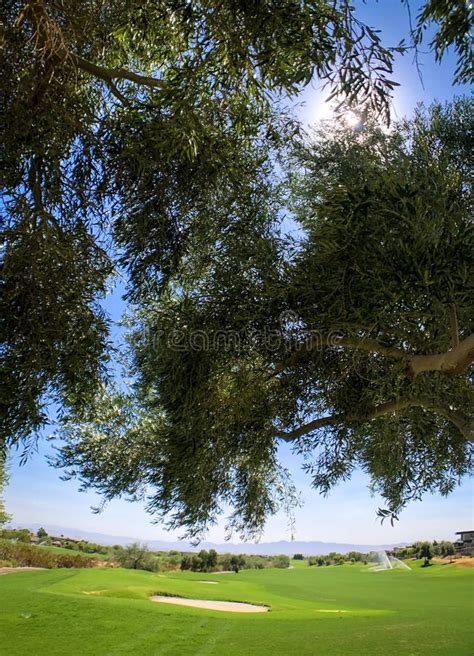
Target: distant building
[465, 543]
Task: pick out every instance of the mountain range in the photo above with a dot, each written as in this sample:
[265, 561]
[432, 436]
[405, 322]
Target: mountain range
[308, 548]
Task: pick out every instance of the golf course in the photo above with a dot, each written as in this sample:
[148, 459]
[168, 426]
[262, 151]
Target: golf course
[337, 610]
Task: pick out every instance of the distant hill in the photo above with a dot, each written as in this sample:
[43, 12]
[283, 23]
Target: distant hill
[312, 548]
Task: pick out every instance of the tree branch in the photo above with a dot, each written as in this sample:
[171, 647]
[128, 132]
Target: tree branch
[34, 181]
[452, 362]
[50, 42]
[464, 423]
[454, 326]
[318, 342]
[108, 75]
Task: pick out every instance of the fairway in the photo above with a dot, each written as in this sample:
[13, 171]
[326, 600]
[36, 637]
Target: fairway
[328, 610]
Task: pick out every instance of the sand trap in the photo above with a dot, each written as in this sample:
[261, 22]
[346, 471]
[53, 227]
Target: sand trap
[208, 582]
[229, 606]
[331, 611]
[226, 571]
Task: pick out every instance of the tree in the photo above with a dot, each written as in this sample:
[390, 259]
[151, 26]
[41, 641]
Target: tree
[4, 516]
[83, 89]
[353, 344]
[447, 548]
[211, 559]
[298, 556]
[236, 563]
[443, 548]
[135, 556]
[186, 562]
[41, 533]
[424, 551]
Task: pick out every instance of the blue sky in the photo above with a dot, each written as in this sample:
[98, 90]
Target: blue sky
[37, 495]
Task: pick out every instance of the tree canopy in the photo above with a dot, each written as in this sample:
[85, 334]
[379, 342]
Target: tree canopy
[143, 139]
[352, 341]
[85, 85]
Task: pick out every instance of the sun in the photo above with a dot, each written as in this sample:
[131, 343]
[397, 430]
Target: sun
[352, 119]
[323, 111]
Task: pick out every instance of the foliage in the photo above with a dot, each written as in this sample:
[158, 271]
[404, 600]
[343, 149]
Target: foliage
[424, 551]
[135, 556]
[334, 558]
[298, 556]
[281, 562]
[83, 89]
[204, 561]
[443, 548]
[354, 343]
[4, 516]
[389, 250]
[41, 533]
[16, 534]
[20, 554]
[192, 221]
[454, 20]
[210, 561]
[236, 563]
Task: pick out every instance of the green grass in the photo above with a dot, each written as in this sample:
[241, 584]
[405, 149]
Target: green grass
[71, 552]
[394, 613]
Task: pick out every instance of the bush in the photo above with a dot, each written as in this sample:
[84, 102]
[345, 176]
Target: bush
[298, 557]
[27, 555]
[282, 562]
[18, 534]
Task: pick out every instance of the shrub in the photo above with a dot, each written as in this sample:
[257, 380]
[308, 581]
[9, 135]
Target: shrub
[282, 561]
[18, 534]
[27, 555]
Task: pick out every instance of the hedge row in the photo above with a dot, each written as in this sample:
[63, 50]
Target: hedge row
[19, 554]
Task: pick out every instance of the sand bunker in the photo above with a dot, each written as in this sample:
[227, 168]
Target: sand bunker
[208, 582]
[229, 606]
[225, 571]
[331, 611]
